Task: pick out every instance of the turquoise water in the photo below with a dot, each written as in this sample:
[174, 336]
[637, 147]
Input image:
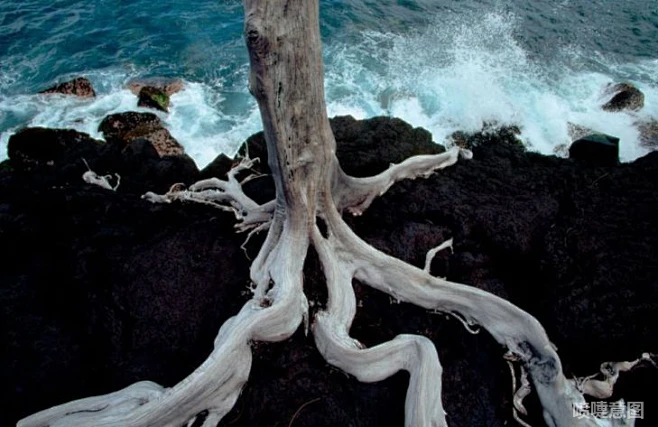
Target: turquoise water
[443, 65]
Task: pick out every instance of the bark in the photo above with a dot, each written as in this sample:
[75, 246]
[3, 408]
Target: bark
[283, 39]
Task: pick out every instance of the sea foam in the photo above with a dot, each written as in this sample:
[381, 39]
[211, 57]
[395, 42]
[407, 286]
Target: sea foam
[456, 73]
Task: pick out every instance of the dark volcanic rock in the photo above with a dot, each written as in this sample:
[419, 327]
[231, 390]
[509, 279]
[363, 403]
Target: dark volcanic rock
[595, 150]
[365, 147]
[101, 289]
[79, 87]
[152, 97]
[218, 167]
[489, 132]
[59, 157]
[123, 128]
[626, 97]
[53, 152]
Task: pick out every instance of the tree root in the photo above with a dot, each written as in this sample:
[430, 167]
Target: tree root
[413, 353]
[226, 195]
[91, 177]
[513, 328]
[603, 389]
[356, 194]
[432, 253]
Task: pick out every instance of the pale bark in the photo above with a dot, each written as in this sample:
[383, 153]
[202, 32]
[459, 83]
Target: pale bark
[286, 62]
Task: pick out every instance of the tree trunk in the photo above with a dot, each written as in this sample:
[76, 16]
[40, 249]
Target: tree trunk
[283, 38]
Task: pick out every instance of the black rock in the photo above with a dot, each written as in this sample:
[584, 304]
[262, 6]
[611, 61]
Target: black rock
[595, 150]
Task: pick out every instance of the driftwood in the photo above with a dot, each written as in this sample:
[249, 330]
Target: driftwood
[312, 192]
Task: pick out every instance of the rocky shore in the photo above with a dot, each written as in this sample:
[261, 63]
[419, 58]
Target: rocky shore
[101, 288]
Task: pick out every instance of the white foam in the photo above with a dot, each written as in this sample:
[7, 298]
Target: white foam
[460, 72]
[195, 119]
[452, 75]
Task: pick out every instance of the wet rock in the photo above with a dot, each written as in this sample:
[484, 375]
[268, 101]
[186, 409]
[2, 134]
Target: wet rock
[625, 97]
[152, 97]
[578, 131]
[123, 128]
[168, 86]
[79, 87]
[148, 171]
[59, 157]
[648, 133]
[595, 150]
[489, 132]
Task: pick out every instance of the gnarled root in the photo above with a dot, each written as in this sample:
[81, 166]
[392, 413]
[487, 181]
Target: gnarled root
[413, 353]
[513, 328]
[356, 194]
[226, 195]
[603, 389]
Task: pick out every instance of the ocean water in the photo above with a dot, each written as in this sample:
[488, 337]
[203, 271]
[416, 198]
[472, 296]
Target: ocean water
[444, 65]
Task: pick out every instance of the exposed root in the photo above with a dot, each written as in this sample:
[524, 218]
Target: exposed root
[470, 327]
[356, 194]
[91, 177]
[603, 389]
[432, 253]
[515, 410]
[262, 227]
[513, 328]
[415, 354]
[226, 195]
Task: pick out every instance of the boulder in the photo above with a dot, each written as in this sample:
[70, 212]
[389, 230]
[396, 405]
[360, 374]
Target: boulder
[123, 128]
[152, 97]
[168, 86]
[625, 97]
[80, 86]
[36, 147]
[595, 150]
[218, 167]
[59, 157]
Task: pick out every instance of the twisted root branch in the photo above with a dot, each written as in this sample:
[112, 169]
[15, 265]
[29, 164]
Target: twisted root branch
[226, 195]
[603, 389]
[357, 194]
